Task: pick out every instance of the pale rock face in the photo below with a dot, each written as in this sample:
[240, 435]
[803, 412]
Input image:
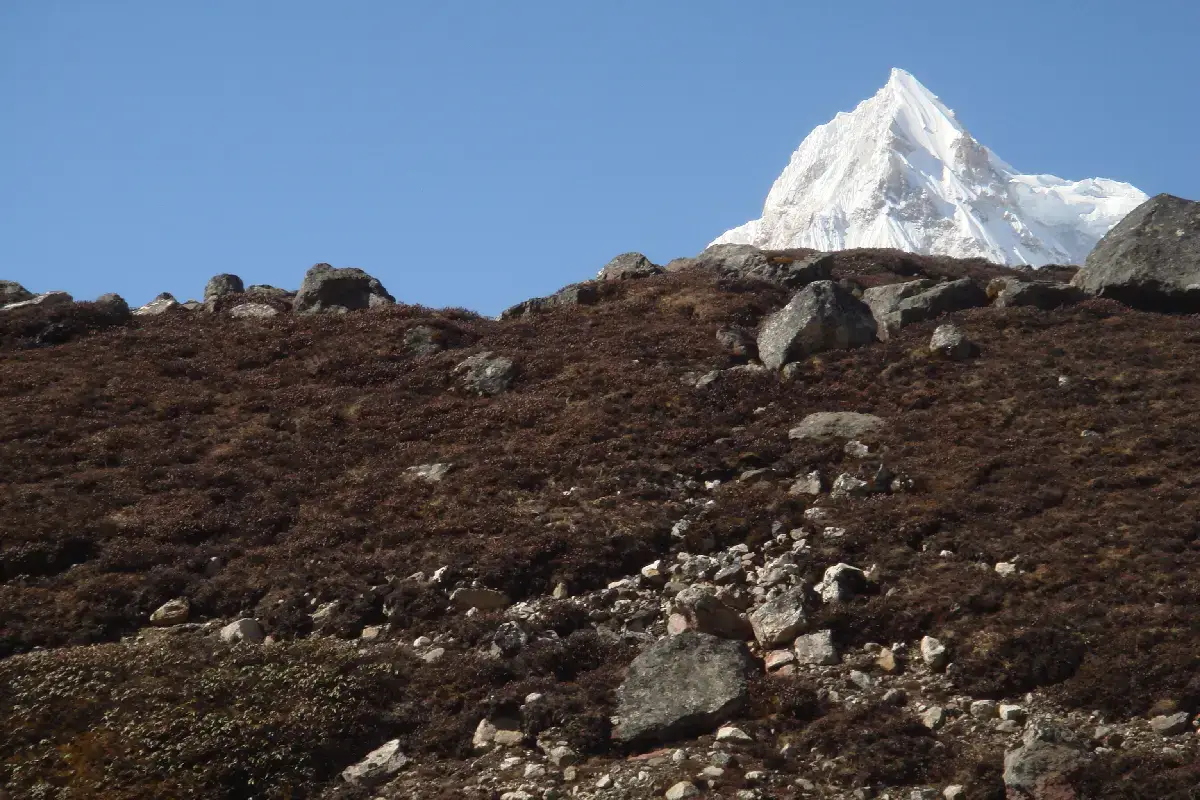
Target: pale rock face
[901, 171]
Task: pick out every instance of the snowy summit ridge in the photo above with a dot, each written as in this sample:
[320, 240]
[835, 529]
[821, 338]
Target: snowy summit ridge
[901, 171]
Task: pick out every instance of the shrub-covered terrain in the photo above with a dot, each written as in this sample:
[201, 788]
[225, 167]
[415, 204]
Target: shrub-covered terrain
[263, 468]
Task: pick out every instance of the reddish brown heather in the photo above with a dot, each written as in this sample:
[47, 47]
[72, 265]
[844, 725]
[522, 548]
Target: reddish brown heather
[132, 456]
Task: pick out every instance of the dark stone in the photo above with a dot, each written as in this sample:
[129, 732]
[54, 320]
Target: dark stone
[786, 268]
[577, 294]
[1044, 295]
[339, 290]
[822, 316]
[628, 266]
[682, 686]
[897, 305]
[426, 340]
[221, 285]
[1150, 259]
[1041, 768]
[13, 292]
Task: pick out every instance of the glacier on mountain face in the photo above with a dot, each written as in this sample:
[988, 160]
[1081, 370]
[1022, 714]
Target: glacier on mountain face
[900, 171]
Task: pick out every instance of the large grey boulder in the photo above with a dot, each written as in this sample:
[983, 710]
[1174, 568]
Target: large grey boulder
[779, 620]
[576, 294]
[1150, 259]
[378, 767]
[339, 290]
[821, 316]
[628, 266]
[681, 686]
[832, 425]
[1040, 769]
[1044, 295]
[487, 374]
[221, 285]
[897, 305]
[747, 261]
[114, 306]
[13, 292]
[46, 300]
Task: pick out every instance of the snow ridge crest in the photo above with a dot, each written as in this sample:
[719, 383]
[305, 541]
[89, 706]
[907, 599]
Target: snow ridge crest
[901, 171]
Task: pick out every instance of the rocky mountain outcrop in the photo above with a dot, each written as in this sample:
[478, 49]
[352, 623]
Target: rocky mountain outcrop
[1150, 259]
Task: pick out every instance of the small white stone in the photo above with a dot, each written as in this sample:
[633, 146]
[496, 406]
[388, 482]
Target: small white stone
[933, 653]
[1014, 713]
[1006, 569]
[679, 791]
[729, 733]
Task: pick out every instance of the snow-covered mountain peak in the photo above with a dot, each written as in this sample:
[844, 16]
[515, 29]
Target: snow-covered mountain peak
[901, 171]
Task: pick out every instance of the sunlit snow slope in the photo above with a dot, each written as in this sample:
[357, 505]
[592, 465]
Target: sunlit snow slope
[900, 171]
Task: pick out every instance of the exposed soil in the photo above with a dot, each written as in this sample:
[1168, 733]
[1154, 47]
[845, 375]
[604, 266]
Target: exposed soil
[134, 454]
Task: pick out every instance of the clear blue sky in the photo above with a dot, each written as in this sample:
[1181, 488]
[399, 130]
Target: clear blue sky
[478, 153]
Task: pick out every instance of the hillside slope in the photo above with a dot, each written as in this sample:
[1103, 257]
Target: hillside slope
[264, 468]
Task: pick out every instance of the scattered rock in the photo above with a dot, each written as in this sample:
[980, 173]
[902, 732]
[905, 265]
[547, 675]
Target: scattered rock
[160, 305]
[983, 709]
[326, 288]
[478, 597]
[738, 341]
[1011, 712]
[489, 735]
[242, 630]
[950, 342]
[697, 608]
[221, 285]
[1039, 769]
[427, 340]
[916, 301]
[487, 374]
[253, 311]
[816, 648]
[628, 266]
[577, 294]
[780, 619]
[841, 583]
[934, 654]
[681, 791]
[846, 485]
[777, 659]
[1150, 259]
[430, 472]
[172, 612]
[809, 484]
[1043, 295]
[822, 316]
[509, 639]
[1171, 724]
[728, 733]
[682, 685]
[933, 717]
[828, 425]
[378, 767]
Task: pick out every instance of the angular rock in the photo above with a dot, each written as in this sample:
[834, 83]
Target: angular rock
[326, 288]
[682, 791]
[933, 717]
[1040, 768]
[846, 485]
[221, 285]
[1171, 724]
[509, 639]
[894, 308]
[430, 472]
[1150, 259]
[821, 316]
[780, 619]
[703, 612]
[576, 294]
[841, 583]
[13, 292]
[486, 373]
[172, 612]
[242, 630]
[378, 767]
[478, 597]
[829, 425]
[426, 340]
[488, 735]
[160, 305]
[738, 341]
[1043, 295]
[934, 654]
[47, 300]
[809, 484]
[817, 648]
[253, 311]
[791, 269]
[628, 266]
[950, 342]
[680, 686]
[1011, 713]
[114, 306]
